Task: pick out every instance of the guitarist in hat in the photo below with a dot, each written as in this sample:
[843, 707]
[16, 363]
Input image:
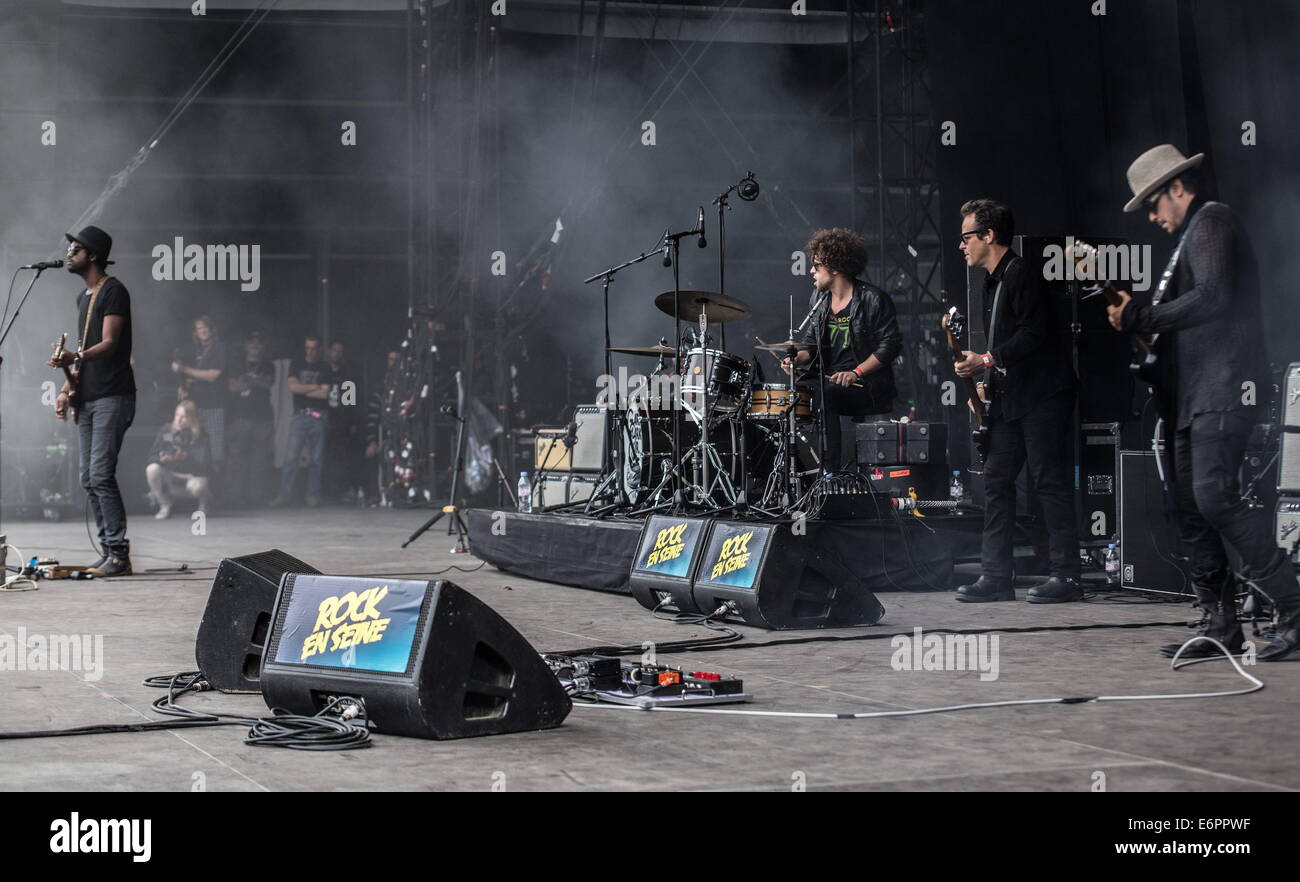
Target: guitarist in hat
[104, 392]
[1208, 334]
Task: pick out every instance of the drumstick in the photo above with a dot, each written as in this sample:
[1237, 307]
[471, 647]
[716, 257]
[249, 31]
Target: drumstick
[780, 360]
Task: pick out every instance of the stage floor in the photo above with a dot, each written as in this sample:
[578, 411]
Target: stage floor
[148, 625]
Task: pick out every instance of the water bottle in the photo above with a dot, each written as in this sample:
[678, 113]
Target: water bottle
[1112, 564]
[525, 493]
[955, 489]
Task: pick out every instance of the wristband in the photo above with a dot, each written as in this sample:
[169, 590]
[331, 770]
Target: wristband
[860, 372]
[987, 359]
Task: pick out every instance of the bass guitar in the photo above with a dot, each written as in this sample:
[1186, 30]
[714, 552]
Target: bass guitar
[954, 325]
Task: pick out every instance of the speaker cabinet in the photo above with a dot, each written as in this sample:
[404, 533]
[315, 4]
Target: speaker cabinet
[237, 619]
[1150, 555]
[768, 576]
[664, 567]
[424, 659]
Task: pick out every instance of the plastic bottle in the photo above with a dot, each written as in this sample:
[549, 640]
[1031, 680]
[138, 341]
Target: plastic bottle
[525, 493]
[1112, 563]
[955, 489]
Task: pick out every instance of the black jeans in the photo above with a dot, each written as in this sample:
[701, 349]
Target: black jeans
[1039, 440]
[841, 401]
[1211, 512]
[102, 425]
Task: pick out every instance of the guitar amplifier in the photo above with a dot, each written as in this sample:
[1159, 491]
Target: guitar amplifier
[1287, 524]
[1291, 396]
[560, 489]
[550, 453]
[590, 439]
[1288, 468]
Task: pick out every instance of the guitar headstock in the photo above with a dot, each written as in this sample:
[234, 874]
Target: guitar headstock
[59, 348]
[1084, 257]
[954, 322]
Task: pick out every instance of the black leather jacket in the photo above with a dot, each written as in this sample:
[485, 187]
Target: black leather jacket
[873, 323]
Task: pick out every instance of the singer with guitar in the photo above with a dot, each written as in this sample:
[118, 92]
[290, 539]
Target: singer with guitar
[1205, 329]
[1029, 385]
[102, 388]
[852, 338]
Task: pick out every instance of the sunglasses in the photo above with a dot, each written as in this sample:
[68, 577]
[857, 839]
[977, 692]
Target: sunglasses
[74, 249]
[1153, 201]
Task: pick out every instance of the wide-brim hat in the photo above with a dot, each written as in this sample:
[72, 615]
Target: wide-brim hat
[1153, 169]
[94, 240]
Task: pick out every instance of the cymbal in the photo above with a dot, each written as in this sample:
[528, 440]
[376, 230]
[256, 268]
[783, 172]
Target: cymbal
[779, 347]
[720, 307]
[656, 350]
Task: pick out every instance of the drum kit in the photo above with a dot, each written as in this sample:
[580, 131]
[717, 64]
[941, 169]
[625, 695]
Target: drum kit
[702, 431]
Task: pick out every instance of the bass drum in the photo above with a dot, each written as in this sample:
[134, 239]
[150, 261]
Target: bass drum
[648, 440]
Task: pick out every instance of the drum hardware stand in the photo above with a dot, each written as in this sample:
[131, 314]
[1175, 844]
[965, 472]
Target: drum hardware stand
[614, 426]
[457, 522]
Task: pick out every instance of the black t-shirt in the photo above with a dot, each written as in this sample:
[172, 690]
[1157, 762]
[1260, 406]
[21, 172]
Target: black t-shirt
[112, 375]
[309, 374]
[839, 342]
[209, 396]
[254, 401]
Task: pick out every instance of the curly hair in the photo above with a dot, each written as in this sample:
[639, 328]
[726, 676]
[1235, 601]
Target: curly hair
[840, 250]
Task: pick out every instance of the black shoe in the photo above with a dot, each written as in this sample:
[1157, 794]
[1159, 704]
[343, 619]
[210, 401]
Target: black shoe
[117, 565]
[1056, 590]
[1281, 588]
[986, 590]
[1219, 600]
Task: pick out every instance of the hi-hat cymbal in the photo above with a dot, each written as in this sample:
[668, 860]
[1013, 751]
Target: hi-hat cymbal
[779, 347]
[719, 307]
[656, 350]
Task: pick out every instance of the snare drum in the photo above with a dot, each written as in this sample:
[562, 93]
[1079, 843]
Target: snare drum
[720, 375]
[771, 401]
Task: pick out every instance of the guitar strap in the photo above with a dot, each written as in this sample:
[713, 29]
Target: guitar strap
[997, 302]
[90, 311]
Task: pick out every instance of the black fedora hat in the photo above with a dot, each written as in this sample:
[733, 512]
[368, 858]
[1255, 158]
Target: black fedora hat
[94, 240]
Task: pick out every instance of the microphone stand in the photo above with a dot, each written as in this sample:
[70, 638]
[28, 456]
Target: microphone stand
[462, 530]
[4, 335]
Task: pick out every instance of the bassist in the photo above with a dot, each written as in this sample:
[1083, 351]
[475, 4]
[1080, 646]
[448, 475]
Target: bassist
[1030, 387]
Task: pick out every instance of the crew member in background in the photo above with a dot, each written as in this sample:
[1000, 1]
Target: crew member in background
[852, 338]
[105, 395]
[1211, 334]
[204, 385]
[250, 435]
[1030, 386]
[341, 441]
[309, 383]
[179, 461]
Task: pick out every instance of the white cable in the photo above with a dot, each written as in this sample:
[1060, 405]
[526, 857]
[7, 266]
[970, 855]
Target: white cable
[1258, 685]
[12, 583]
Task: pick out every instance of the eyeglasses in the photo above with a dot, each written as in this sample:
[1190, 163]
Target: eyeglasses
[1153, 201]
[816, 265]
[971, 233]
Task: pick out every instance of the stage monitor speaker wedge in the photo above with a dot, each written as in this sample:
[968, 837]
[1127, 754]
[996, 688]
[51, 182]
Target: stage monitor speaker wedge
[769, 576]
[424, 659]
[664, 567]
[237, 619]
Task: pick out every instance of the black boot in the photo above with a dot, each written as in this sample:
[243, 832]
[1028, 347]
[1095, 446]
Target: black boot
[118, 563]
[986, 590]
[1056, 590]
[1280, 587]
[103, 558]
[1219, 601]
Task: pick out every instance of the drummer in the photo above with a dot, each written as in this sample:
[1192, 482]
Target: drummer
[855, 336]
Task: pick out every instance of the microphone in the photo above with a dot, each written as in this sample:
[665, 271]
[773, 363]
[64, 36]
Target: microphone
[699, 225]
[668, 255]
[44, 265]
[748, 188]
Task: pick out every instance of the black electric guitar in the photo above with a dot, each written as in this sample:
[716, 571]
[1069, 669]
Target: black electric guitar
[69, 373]
[1147, 365]
[954, 325]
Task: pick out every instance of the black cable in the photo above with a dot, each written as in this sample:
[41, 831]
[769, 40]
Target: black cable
[282, 729]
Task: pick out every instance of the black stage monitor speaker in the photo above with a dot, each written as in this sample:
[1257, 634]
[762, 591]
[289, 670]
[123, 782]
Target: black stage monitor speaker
[770, 577]
[664, 567]
[237, 619]
[425, 659]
